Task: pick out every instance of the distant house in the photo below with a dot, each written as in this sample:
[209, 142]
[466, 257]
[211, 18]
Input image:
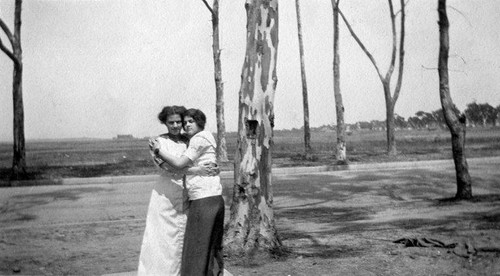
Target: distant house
[364, 125]
[377, 125]
[327, 128]
[124, 137]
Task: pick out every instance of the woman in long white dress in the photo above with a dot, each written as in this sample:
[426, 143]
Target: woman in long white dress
[162, 245]
[202, 253]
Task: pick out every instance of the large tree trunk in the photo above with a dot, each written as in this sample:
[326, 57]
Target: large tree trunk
[219, 87]
[252, 226]
[19, 157]
[307, 131]
[341, 155]
[456, 125]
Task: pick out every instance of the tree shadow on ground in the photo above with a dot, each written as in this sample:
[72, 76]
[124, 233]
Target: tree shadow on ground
[13, 209]
[355, 222]
[489, 198]
[416, 184]
[485, 220]
[315, 248]
[325, 214]
[318, 187]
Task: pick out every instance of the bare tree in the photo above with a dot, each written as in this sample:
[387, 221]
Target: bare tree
[16, 55]
[307, 131]
[456, 123]
[497, 118]
[219, 85]
[341, 154]
[390, 98]
[252, 226]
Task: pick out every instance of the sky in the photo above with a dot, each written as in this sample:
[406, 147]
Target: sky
[98, 68]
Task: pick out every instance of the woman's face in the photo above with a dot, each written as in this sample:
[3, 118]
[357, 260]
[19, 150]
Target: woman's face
[174, 124]
[190, 126]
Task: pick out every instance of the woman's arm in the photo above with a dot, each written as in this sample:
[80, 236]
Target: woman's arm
[209, 169]
[177, 163]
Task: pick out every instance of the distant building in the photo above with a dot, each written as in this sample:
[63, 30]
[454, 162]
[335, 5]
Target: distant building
[124, 137]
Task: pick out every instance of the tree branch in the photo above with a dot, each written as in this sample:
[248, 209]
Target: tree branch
[208, 7]
[406, 3]
[17, 22]
[394, 41]
[450, 70]
[7, 52]
[401, 53]
[461, 13]
[7, 32]
[353, 34]
[460, 57]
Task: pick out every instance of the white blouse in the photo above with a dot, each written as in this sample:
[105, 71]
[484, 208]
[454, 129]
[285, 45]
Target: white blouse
[168, 176]
[201, 150]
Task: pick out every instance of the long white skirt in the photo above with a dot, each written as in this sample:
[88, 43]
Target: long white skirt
[161, 250]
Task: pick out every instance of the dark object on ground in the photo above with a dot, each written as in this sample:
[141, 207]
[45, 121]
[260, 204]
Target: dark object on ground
[424, 242]
[464, 249]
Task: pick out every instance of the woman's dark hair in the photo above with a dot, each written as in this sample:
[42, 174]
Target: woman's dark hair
[171, 110]
[198, 116]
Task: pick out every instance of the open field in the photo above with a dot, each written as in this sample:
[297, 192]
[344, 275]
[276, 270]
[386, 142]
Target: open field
[93, 158]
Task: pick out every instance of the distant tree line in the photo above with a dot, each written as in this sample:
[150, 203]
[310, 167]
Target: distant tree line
[478, 115]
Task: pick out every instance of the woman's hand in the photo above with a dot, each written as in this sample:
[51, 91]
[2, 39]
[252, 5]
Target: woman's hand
[154, 145]
[211, 169]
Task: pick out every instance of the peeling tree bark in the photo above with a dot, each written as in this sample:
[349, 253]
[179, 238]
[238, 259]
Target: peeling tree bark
[252, 226]
[456, 124]
[305, 102]
[341, 155]
[19, 158]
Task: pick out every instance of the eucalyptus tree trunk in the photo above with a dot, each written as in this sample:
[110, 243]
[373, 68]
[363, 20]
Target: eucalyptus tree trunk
[251, 227]
[456, 124]
[16, 55]
[341, 153]
[307, 131]
[221, 150]
[390, 97]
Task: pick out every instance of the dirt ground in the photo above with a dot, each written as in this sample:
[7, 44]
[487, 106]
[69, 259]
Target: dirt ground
[333, 223]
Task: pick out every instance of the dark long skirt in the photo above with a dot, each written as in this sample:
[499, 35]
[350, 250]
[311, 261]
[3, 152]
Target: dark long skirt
[202, 253]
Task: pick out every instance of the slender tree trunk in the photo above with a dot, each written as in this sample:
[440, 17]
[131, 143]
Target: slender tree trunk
[16, 55]
[221, 151]
[219, 87]
[389, 123]
[19, 159]
[341, 155]
[307, 131]
[456, 125]
[390, 100]
[252, 226]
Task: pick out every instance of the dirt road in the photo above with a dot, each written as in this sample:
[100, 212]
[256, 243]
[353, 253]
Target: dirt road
[334, 223]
